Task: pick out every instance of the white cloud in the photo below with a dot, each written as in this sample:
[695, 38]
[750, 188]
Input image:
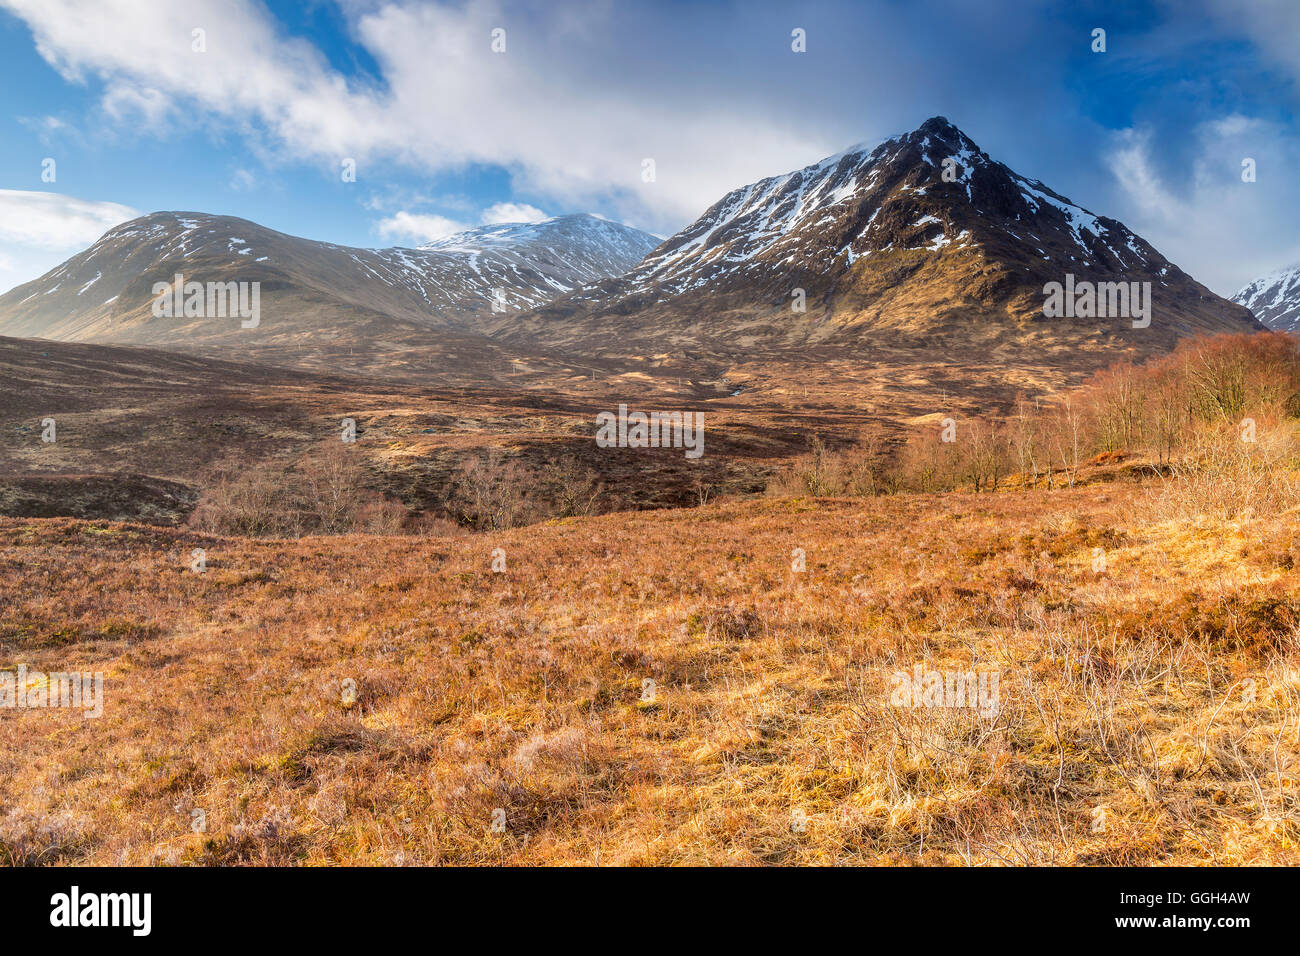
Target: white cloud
[143, 52]
[512, 212]
[1272, 24]
[124, 102]
[18, 266]
[582, 96]
[1222, 230]
[55, 221]
[242, 179]
[418, 227]
[575, 128]
[425, 227]
[38, 230]
[44, 125]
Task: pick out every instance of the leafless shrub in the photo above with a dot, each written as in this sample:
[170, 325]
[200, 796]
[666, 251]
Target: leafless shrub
[857, 471]
[34, 839]
[247, 499]
[576, 488]
[1220, 475]
[1184, 410]
[492, 492]
[381, 516]
[330, 488]
[323, 492]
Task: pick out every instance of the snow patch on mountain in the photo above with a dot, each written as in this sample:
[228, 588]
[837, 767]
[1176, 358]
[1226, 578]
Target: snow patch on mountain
[1275, 299]
[505, 266]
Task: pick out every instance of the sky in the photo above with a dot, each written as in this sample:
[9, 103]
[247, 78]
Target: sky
[465, 113]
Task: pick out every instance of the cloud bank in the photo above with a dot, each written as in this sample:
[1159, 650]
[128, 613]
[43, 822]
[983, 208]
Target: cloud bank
[569, 100]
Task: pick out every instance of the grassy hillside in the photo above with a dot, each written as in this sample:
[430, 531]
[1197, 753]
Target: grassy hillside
[1147, 714]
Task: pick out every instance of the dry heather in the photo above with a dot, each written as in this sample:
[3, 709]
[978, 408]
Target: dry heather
[666, 687]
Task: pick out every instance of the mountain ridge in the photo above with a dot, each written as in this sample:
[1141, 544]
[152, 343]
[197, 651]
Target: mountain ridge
[1274, 299]
[308, 286]
[921, 241]
[914, 236]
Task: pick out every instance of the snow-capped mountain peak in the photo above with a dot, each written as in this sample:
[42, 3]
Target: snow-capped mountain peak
[920, 233]
[932, 190]
[105, 292]
[591, 248]
[1275, 299]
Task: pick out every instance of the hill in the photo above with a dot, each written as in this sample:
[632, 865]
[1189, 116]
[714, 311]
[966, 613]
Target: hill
[312, 295]
[921, 242]
[1275, 299]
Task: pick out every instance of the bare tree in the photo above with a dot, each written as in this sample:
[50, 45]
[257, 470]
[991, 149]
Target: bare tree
[492, 492]
[331, 487]
[1069, 434]
[1024, 437]
[578, 487]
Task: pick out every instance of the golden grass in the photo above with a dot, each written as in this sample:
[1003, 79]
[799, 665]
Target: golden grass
[1149, 713]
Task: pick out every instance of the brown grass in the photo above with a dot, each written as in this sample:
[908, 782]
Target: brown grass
[664, 688]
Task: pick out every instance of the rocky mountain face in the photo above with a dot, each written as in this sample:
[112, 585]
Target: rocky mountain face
[921, 244]
[922, 238]
[309, 290]
[1275, 299]
[573, 250]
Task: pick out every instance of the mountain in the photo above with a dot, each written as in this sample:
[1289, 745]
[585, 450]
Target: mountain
[882, 242]
[578, 249]
[1275, 299]
[309, 290]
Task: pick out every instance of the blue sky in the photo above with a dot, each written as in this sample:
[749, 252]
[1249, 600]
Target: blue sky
[447, 134]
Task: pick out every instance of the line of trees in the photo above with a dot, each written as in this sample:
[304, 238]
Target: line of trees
[1212, 401]
[330, 490]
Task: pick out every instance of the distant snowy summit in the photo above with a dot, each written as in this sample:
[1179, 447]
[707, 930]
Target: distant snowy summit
[922, 241]
[1275, 299]
[920, 236]
[315, 288]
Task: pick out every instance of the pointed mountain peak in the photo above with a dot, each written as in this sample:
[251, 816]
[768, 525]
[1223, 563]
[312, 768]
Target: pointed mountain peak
[942, 127]
[919, 232]
[1275, 299]
[936, 124]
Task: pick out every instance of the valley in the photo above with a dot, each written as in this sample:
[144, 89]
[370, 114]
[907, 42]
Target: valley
[383, 579]
[921, 269]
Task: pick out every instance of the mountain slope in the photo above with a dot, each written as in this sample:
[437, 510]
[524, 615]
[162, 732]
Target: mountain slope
[880, 240]
[313, 290]
[578, 249]
[1275, 299]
